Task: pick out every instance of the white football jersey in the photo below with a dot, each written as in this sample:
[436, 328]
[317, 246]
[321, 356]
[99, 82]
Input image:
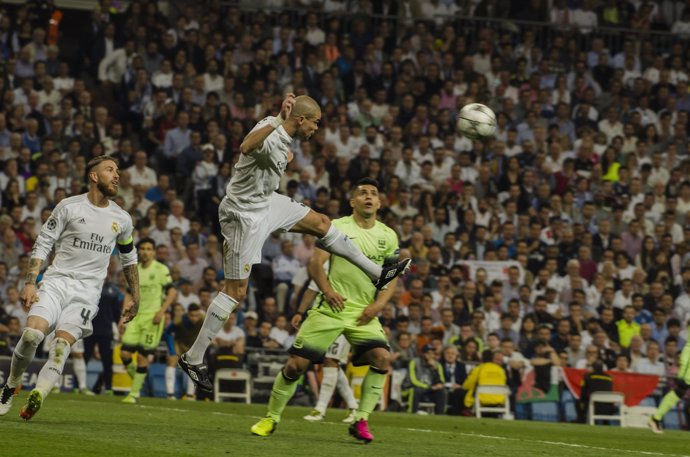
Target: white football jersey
[257, 174]
[84, 236]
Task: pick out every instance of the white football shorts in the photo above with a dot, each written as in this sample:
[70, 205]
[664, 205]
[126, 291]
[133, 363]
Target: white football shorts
[245, 232]
[67, 304]
[339, 350]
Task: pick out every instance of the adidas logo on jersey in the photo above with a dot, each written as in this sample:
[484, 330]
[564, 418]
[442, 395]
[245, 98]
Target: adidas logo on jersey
[82, 221]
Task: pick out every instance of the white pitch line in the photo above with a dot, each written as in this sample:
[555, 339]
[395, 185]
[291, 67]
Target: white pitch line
[135, 405]
[422, 430]
[218, 413]
[551, 443]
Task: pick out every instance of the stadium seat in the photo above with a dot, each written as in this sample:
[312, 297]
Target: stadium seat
[427, 407]
[613, 398]
[492, 390]
[231, 374]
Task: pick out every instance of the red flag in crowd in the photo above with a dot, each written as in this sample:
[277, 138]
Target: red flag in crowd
[635, 386]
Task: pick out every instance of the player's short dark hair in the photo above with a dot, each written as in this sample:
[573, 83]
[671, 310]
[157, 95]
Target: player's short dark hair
[146, 240]
[367, 182]
[97, 160]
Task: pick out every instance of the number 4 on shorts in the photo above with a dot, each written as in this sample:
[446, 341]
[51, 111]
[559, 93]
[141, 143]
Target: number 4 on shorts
[85, 315]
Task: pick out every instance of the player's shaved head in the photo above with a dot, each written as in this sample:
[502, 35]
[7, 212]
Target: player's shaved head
[305, 106]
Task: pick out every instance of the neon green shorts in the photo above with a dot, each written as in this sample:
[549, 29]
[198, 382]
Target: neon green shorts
[142, 335]
[322, 327]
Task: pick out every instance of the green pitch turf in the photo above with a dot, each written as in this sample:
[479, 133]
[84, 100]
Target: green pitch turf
[75, 425]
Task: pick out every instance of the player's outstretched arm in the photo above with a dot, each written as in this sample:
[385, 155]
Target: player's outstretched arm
[317, 273]
[255, 139]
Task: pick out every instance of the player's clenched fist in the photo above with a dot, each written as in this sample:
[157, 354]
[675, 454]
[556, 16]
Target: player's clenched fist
[129, 310]
[287, 106]
[28, 296]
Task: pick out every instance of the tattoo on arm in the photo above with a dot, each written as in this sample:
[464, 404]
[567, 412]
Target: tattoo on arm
[34, 270]
[132, 277]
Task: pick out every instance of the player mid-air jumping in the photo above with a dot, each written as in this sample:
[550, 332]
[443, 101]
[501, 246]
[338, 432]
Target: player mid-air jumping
[251, 210]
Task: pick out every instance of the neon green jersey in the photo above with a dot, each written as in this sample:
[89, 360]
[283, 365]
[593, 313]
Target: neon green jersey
[152, 281]
[377, 243]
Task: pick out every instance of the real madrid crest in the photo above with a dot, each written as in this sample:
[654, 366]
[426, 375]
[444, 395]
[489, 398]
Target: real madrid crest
[115, 227]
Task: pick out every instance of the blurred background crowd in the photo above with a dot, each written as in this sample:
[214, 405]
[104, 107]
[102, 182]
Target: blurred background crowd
[582, 197]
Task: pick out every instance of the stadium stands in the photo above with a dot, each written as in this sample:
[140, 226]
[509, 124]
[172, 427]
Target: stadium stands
[563, 240]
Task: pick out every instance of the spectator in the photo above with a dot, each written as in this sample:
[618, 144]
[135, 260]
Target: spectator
[193, 265]
[426, 381]
[594, 381]
[652, 364]
[627, 327]
[140, 174]
[403, 351]
[186, 295]
[454, 374]
[230, 340]
[489, 372]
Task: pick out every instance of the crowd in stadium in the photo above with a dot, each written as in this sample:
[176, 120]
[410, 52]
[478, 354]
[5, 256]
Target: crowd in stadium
[585, 186]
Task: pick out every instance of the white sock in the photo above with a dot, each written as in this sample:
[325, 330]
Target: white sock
[336, 242]
[52, 370]
[79, 366]
[330, 378]
[190, 388]
[345, 390]
[170, 380]
[23, 355]
[218, 312]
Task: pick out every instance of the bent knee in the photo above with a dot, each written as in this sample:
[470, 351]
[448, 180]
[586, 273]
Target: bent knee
[32, 336]
[236, 289]
[380, 359]
[295, 367]
[60, 344]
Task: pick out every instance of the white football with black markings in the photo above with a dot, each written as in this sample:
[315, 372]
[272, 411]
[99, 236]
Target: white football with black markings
[476, 121]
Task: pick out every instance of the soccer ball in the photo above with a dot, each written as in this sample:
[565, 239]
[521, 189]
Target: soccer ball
[476, 121]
